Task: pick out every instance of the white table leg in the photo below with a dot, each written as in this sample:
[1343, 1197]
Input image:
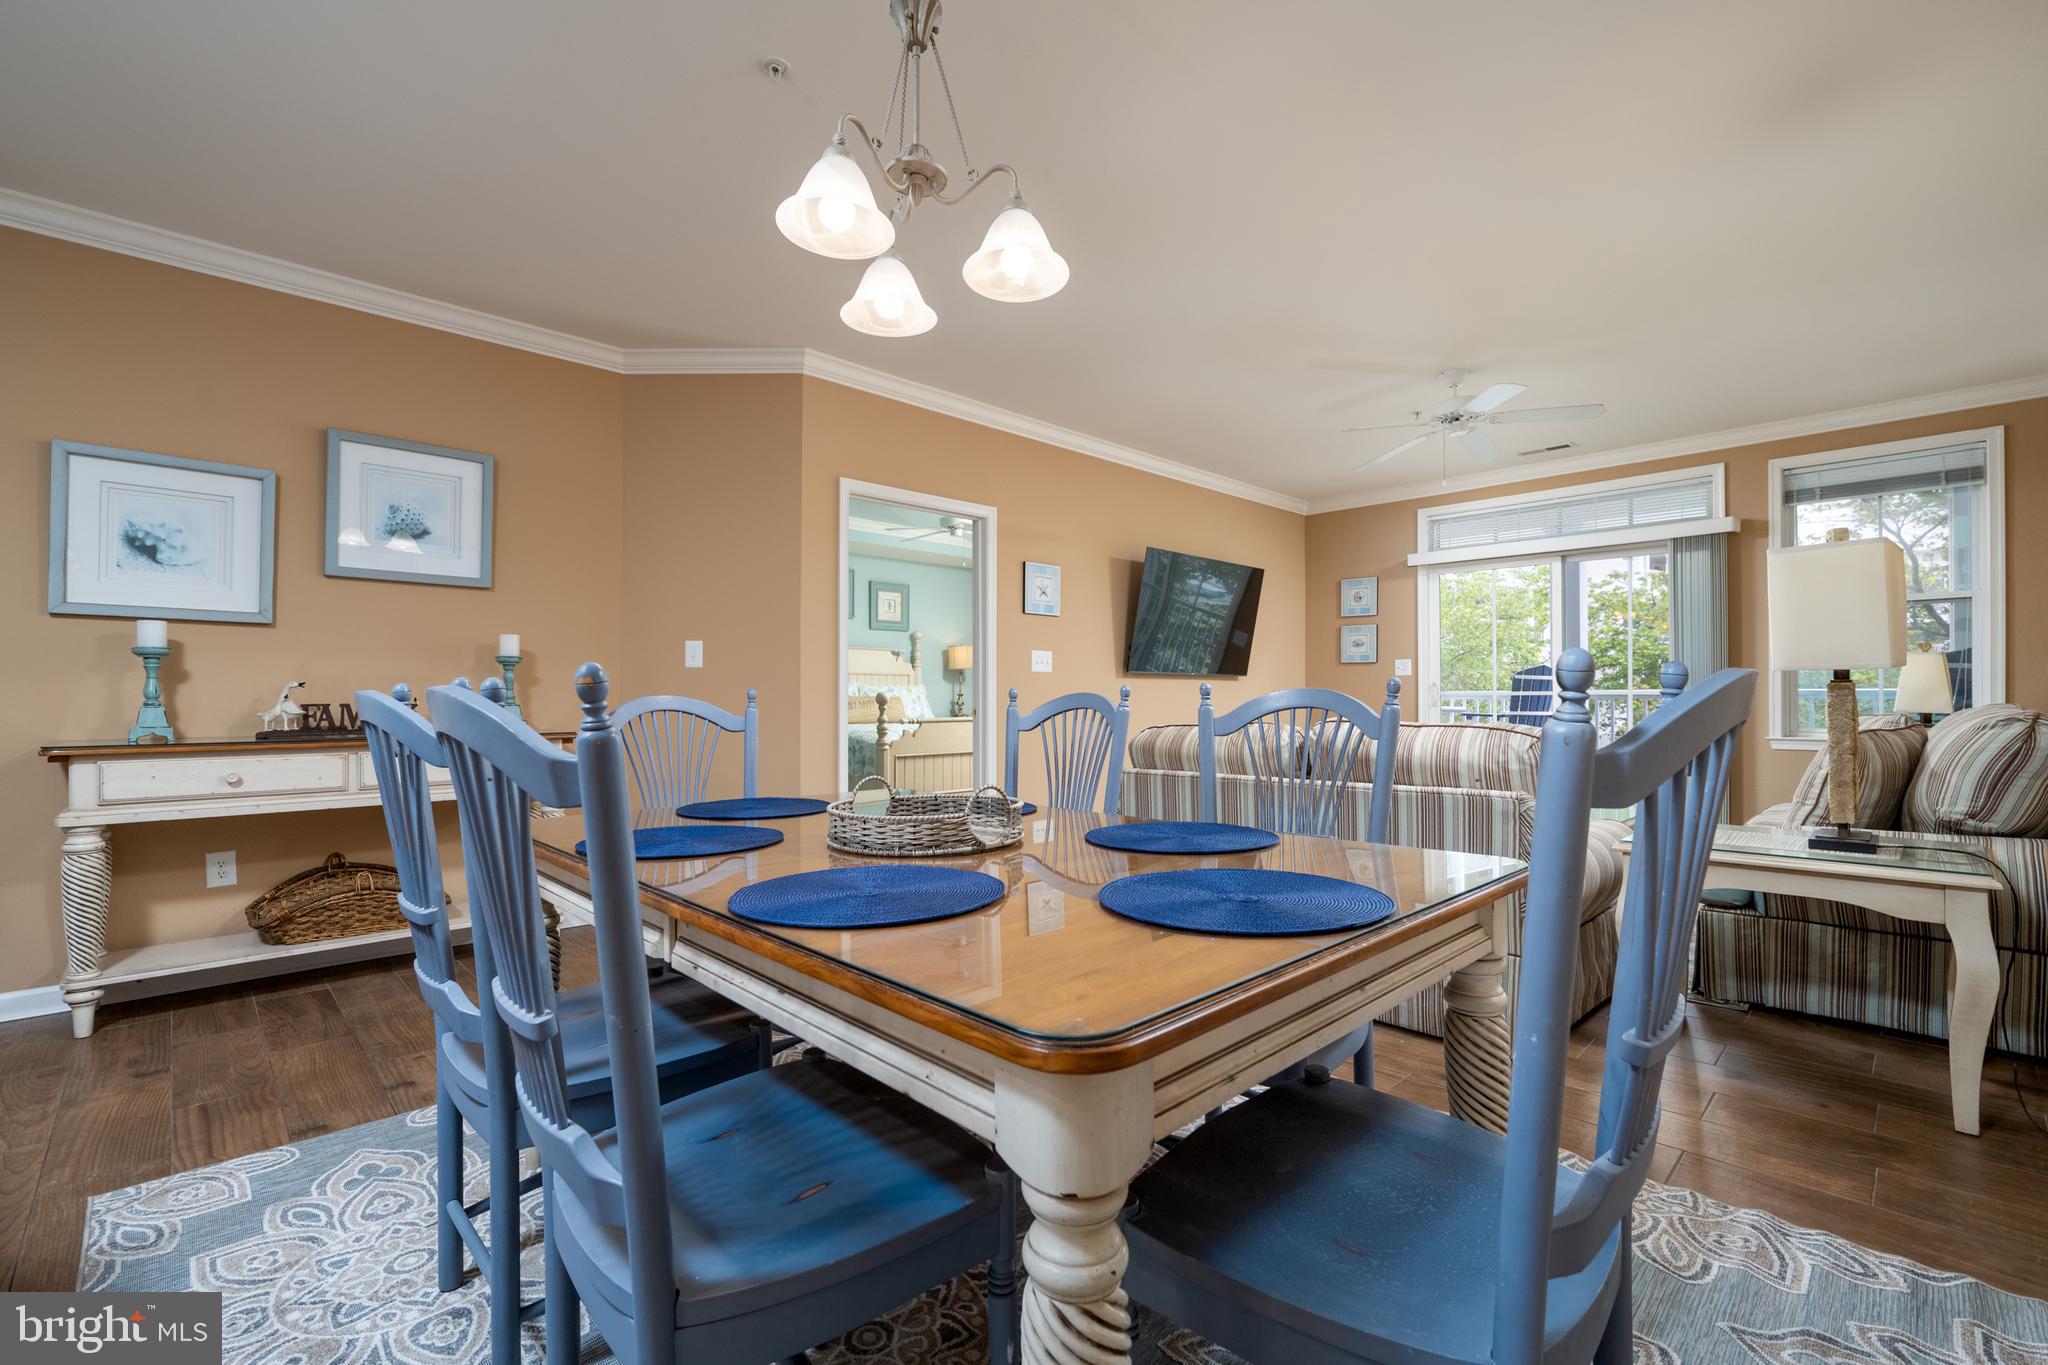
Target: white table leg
[1478, 1050]
[1075, 1143]
[85, 881]
[1972, 1000]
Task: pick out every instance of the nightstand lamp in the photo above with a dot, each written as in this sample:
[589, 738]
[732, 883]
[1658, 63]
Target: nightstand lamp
[1924, 686]
[959, 658]
[1839, 605]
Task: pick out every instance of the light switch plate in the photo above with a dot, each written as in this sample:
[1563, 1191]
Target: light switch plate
[1041, 661]
[1404, 668]
[693, 654]
[220, 869]
[1038, 831]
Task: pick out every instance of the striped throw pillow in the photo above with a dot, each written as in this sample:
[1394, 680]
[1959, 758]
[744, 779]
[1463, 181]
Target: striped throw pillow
[1888, 750]
[1985, 772]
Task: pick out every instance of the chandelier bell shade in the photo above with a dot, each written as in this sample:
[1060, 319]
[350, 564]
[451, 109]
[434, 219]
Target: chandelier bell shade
[888, 303]
[1016, 264]
[833, 212]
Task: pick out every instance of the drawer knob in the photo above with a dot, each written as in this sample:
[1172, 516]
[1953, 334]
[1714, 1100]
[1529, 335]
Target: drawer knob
[233, 779]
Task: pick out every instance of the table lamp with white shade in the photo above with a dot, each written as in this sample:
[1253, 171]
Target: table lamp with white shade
[959, 659]
[1839, 605]
[1924, 686]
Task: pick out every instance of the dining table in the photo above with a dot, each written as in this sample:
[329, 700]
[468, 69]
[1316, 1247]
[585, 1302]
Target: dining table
[1072, 1039]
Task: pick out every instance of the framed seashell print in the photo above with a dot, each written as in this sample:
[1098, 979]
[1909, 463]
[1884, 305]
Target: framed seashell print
[408, 511]
[134, 533]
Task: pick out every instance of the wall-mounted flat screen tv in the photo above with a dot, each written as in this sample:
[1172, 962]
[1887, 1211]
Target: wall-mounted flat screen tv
[1195, 616]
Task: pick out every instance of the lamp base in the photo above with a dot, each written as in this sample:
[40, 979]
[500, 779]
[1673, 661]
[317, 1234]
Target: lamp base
[1842, 839]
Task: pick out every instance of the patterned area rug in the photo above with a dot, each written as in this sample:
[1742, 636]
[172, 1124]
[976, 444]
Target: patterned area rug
[324, 1252]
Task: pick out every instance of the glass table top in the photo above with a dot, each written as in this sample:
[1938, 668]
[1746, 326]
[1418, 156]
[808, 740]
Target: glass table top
[1896, 851]
[1047, 962]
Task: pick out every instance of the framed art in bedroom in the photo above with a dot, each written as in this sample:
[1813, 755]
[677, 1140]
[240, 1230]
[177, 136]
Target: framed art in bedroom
[888, 606]
[408, 511]
[139, 534]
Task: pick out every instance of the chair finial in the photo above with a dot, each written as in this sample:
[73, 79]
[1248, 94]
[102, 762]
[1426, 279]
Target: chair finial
[1205, 691]
[1574, 680]
[1124, 694]
[1013, 697]
[593, 689]
[493, 691]
[402, 694]
[462, 683]
[1674, 676]
[753, 696]
[1393, 690]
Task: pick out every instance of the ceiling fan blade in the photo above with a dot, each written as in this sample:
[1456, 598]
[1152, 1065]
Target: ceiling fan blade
[1387, 426]
[1390, 454]
[1577, 412]
[1451, 404]
[1493, 395]
[1477, 444]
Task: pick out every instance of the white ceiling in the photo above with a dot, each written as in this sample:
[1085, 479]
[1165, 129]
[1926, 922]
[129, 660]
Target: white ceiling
[1281, 220]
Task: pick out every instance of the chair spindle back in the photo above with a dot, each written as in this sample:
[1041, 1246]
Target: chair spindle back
[1300, 745]
[1082, 737]
[671, 743]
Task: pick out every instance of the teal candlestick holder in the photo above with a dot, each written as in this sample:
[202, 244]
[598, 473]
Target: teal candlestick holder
[152, 726]
[510, 664]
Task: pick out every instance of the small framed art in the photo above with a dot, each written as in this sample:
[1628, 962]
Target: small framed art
[1358, 597]
[408, 511]
[1358, 644]
[138, 534]
[1041, 589]
[888, 606]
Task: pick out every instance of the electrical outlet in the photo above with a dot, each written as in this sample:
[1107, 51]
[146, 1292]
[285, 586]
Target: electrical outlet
[1041, 661]
[220, 869]
[693, 654]
[1404, 668]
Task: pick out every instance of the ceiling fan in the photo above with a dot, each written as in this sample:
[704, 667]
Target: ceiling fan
[948, 527]
[1462, 419]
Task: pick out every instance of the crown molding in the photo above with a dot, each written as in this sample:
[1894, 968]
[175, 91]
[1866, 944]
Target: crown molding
[1817, 424]
[717, 360]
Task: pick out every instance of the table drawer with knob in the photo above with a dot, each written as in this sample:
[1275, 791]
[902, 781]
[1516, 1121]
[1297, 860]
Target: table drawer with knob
[177, 779]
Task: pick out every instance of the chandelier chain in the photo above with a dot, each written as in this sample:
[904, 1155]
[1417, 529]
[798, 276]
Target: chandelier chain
[966, 161]
[896, 92]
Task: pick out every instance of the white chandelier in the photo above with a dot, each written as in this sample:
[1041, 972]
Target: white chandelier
[833, 213]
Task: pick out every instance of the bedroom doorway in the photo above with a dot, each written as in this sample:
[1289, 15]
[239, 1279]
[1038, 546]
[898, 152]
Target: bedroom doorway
[916, 637]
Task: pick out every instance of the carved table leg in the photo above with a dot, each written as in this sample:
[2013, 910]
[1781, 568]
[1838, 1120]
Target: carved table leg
[1972, 1001]
[1075, 1142]
[85, 886]
[1478, 1050]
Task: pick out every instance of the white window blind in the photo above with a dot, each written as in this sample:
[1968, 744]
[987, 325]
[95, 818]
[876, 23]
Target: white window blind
[1626, 511]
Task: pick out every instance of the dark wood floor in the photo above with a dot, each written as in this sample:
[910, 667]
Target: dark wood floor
[1830, 1126]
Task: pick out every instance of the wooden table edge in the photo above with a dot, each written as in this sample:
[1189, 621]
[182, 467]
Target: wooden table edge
[1112, 1052]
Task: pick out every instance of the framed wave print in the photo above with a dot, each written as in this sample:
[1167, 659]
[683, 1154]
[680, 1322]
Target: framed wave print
[1358, 644]
[138, 534]
[407, 511]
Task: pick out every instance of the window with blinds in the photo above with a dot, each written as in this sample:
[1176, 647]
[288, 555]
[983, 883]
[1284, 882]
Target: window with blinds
[1620, 512]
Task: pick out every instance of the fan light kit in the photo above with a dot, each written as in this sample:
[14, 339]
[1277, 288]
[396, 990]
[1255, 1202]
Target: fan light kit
[1463, 419]
[833, 213]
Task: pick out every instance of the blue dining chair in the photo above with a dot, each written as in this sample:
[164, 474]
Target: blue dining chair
[746, 1221]
[1083, 740]
[670, 744]
[703, 1039]
[1324, 1222]
[1299, 747]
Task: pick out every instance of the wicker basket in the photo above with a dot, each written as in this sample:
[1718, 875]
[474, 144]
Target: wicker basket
[925, 824]
[338, 899]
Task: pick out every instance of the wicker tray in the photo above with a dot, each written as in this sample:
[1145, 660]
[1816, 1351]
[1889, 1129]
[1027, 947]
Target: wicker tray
[925, 824]
[338, 899]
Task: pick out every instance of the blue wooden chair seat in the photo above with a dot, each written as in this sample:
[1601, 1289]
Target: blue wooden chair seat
[786, 1183]
[700, 1038]
[1329, 1205]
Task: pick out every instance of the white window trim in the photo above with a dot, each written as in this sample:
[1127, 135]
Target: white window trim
[1988, 620]
[1719, 523]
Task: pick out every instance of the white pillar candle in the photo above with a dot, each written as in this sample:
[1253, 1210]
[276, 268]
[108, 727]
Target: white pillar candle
[508, 644]
[152, 634]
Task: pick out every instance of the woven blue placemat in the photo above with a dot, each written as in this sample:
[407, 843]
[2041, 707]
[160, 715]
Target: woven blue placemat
[752, 808]
[866, 897]
[1182, 836]
[1255, 901]
[697, 841]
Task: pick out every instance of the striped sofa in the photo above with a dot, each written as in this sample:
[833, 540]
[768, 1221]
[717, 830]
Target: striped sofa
[1979, 777]
[1468, 788]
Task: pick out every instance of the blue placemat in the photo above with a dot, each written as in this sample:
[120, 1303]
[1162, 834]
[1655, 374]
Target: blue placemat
[1245, 900]
[866, 897]
[752, 808]
[1182, 836]
[697, 841]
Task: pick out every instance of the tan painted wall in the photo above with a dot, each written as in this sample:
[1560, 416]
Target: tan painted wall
[1378, 540]
[104, 348]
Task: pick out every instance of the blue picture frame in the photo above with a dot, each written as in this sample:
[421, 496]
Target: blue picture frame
[1041, 589]
[468, 467]
[1358, 644]
[76, 598]
[1358, 597]
[875, 618]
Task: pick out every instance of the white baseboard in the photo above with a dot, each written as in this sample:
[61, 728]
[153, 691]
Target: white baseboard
[32, 1003]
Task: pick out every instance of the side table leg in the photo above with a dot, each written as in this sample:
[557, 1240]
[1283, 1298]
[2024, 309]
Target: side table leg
[1972, 999]
[1478, 1051]
[85, 881]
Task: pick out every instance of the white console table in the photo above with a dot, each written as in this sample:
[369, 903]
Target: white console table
[121, 784]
